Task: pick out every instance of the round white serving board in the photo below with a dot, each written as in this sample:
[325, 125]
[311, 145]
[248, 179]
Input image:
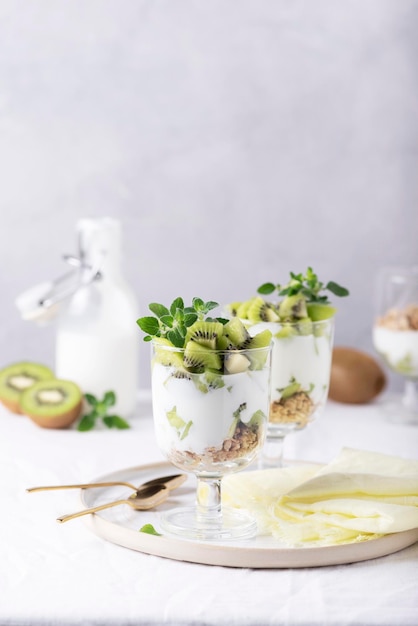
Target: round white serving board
[121, 525]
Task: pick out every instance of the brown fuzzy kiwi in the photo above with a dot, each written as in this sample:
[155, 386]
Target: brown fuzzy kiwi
[356, 378]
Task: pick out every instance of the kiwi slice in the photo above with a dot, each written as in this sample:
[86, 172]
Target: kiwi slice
[204, 333]
[53, 403]
[261, 311]
[236, 332]
[170, 358]
[233, 307]
[293, 308]
[18, 377]
[261, 340]
[318, 312]
[242, 309]
[198, 357]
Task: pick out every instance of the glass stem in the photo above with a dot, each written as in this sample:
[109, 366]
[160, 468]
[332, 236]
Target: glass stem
[410, 395]
[208, 501]
[272, 453]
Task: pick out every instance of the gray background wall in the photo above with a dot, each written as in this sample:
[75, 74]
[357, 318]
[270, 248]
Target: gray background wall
[236, 140]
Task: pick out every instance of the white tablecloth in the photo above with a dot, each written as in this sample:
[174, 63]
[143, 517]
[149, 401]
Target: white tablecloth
[65, 574]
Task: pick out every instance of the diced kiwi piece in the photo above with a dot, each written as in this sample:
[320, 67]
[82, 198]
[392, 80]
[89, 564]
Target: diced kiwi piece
[204, 333]
[214, 379]
[257, 419]
[286, 331]
[293, 308]
[236, 332]
[318, 311]
[304, 326]
[224, 343]
[233, 307]
[242, 309]
[166, 354]
[261, 311]
[292, 388]
[258, 357]
[198, 356]
[18, 377]
[236, 362]
[53, 403]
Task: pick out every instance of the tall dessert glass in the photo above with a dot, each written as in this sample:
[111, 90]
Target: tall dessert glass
[210, 423]
[395, 337]
[300, 376]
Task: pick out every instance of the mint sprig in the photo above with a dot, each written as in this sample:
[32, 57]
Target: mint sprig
[99, 411]
[172, 322]
[306, 284]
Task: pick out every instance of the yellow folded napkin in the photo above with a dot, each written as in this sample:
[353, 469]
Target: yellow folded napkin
[358, 496]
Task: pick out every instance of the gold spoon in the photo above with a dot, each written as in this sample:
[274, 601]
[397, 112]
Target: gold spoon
[171, 482]
[141, 500]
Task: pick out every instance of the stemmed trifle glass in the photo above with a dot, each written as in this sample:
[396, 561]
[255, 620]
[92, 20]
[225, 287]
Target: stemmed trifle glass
[301, 320]
[395, 337]
[210, 395]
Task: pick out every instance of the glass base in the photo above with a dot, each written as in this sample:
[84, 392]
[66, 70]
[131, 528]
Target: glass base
[231, 524]
[395, 411]
[272, 453]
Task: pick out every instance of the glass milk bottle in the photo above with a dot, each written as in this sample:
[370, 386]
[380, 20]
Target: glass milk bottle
[96, 341]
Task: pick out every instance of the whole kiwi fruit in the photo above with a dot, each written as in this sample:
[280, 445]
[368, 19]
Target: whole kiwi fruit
[356, 377]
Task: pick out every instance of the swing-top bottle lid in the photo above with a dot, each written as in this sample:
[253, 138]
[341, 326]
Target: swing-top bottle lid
[99, 242]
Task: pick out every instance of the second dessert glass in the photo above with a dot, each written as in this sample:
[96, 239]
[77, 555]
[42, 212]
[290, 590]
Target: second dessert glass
[300, 376]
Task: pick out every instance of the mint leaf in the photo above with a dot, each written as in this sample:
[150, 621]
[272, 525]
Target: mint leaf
[87, 423]
[189, 319]
[109, 398]
[176, 304]
[99, 411]
[149, 529]
[158, 309]
[114, 421]
[266, 288]
[149, 325]
[92, 400]
[336, 289]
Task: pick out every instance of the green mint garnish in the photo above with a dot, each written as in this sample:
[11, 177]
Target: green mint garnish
[99, 411]
[172, 322]
[149, 529]
[308, 285]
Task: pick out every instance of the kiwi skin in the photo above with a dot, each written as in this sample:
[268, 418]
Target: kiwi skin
[60, 418]
[356, 378]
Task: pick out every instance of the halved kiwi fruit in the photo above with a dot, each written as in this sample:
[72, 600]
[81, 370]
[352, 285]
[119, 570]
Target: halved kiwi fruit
[17, 378]
[52, 403]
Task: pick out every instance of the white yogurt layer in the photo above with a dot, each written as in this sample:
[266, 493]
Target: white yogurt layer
[303, 358]
[205, 419]
[399, 348]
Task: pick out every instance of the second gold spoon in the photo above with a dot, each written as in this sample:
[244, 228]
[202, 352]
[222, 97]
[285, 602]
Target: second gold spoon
[141, 500]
